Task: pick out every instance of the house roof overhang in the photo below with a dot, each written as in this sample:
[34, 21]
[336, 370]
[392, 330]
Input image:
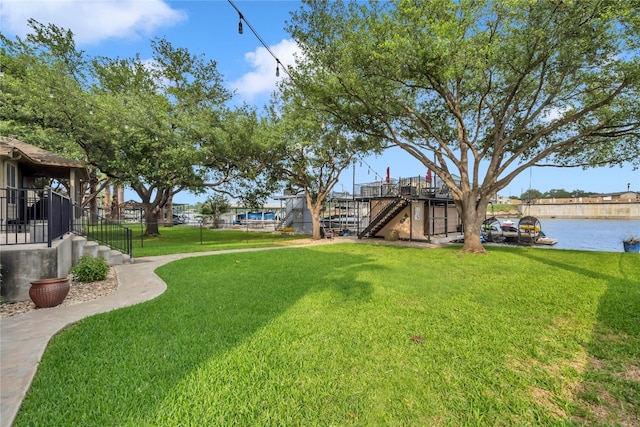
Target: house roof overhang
[38, 162]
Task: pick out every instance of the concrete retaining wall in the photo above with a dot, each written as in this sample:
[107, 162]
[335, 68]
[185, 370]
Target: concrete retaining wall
[23, 263]
[603, 210]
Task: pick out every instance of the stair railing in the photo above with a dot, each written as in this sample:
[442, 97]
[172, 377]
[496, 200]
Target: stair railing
[384, 216]
[102, 230]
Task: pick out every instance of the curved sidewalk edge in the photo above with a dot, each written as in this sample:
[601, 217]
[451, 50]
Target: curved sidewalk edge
[25, 337]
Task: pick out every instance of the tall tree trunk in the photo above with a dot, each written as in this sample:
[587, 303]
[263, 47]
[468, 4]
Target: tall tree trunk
[106, 202]
[151, 216]
[315, 211]
[93, 203]
[152, 209]
[473, 214]
[169, 212]
[117, 199]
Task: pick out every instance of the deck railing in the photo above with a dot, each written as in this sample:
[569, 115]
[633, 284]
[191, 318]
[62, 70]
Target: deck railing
[33, 216]
[419, 186]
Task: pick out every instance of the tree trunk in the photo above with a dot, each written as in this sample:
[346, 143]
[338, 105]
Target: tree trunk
[314, 210]
[93, 204]
[120, 202]
[168, 217]
[151, 215]
[106, 202]
[472, 213]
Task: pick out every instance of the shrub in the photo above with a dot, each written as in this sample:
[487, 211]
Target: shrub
[90, 269]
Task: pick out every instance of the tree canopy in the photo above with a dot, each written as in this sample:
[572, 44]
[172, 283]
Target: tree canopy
[481, 90]
[159, 126]
[308, 149]
[214, 207]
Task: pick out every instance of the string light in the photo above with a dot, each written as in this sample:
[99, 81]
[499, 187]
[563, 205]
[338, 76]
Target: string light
[260, 39]
[278, 63]
[370, 169]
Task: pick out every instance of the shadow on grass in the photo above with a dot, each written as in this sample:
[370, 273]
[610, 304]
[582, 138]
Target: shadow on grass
[118, 367]
[610, 390]
[185, 239]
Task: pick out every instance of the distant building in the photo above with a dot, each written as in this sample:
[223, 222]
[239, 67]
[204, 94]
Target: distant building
[625, 195]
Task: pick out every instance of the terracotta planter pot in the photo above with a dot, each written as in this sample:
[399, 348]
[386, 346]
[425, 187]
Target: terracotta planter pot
[47, 293]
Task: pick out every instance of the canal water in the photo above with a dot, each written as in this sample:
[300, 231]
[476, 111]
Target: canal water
[589, 234]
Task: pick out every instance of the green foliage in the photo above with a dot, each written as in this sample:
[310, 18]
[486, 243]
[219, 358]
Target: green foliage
[502, 207]
[353, 334]
[531, 194]
[309, 149]
[558, 193]
[478, 91]
[160, 129]
[90, 269]
[215, 206]
[580, 193]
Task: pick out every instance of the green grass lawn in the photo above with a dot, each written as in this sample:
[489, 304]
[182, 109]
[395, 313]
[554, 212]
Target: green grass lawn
[356, 334]
[500, 208]
[185, 239]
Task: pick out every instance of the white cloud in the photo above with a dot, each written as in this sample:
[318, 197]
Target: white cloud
[262, 80]
[91, 21]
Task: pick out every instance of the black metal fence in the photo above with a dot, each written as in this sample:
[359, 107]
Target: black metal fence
[33, 216]
[29, 216]
[102, 230]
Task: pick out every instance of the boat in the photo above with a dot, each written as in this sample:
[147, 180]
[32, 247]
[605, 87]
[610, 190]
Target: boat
[528, 231]
[544, 240]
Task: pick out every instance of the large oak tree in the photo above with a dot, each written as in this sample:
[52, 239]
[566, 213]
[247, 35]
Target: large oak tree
[41, 95]
[479, 89]
[160, 126]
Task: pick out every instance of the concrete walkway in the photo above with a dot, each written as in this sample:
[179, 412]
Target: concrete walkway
[24, 337]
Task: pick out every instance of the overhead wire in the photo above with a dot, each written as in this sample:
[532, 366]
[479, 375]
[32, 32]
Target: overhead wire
[279, 63]
[242, 18]
[260, 39]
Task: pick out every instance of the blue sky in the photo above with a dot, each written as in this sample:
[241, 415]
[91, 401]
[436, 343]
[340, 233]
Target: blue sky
[210, 27]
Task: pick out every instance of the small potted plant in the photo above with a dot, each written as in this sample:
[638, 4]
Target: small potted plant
[631, 244]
